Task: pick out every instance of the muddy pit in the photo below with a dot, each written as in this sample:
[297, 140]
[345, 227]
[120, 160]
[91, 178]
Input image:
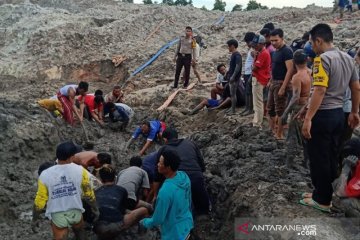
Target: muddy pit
[245, 175]
[58, 42]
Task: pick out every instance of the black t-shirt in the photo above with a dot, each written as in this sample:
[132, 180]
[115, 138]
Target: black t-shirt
[191, 159]
[111, 201]
[234, 60]
[278, 65]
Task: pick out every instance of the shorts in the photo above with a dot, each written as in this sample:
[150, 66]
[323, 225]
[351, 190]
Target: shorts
[131, 204]
[213, 102]
[276, 105]
[67, 218]
[108, 230]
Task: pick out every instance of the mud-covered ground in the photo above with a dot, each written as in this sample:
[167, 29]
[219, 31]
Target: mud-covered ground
[49, 43]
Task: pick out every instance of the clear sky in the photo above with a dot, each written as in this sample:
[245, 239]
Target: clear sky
[209, 4]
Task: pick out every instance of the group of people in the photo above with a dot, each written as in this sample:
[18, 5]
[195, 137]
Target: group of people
[309, 86]
[343, 5]
[166, 189]
[73, 102]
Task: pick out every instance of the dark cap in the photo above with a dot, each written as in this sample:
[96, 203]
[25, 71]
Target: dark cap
[259, 39]
[67, 149]
[44, 166]
[170, 133]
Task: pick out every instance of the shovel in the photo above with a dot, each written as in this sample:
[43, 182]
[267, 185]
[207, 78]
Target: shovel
[88, 144]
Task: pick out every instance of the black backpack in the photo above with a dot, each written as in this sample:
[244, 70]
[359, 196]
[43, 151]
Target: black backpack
[199, 41]
[297, 44]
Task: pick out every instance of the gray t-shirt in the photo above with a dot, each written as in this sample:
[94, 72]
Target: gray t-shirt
[334, 70]
[133, 179]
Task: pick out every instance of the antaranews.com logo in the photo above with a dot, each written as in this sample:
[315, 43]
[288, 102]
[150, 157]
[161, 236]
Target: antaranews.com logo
[297, 228]
[303, 230]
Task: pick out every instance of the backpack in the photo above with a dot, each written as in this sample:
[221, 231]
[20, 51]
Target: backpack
[199, 41]
[297, 44]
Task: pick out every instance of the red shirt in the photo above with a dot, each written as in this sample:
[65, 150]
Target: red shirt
[263, 62]
[90, 103]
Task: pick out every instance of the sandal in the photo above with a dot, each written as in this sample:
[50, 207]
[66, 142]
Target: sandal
[315, 205]
[306, 195]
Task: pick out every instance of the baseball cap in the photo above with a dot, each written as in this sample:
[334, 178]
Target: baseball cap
[258, 39]
[309, 51]
[67, 149]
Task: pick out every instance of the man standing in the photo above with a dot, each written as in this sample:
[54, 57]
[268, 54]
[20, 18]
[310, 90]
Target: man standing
[60, 189]
[184, 56]
[249, 36]
[196, 58]
[333, 72]
[192, 163]
[173, 205]
[266, 33]
[301, 82]
[234, 73]
[261, 76]
[282, 71]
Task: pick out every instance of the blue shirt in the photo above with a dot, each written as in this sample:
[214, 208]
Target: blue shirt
[155, 128]
[149, 164]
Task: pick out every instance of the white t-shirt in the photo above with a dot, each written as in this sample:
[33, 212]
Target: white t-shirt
[197, 53]
[64, 90]
[220, 79]
[129, 111]
[64, 184]
[248, 63]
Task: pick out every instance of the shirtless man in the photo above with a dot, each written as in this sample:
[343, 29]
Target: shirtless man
[301, 82]
[92, 159]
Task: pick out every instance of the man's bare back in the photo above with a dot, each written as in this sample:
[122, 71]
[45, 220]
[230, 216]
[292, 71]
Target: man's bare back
[301, 83]
[87, 159]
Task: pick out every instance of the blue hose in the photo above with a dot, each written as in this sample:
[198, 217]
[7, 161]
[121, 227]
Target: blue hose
[166, 46]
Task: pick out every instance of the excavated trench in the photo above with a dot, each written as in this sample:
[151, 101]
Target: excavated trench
[245, 175]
